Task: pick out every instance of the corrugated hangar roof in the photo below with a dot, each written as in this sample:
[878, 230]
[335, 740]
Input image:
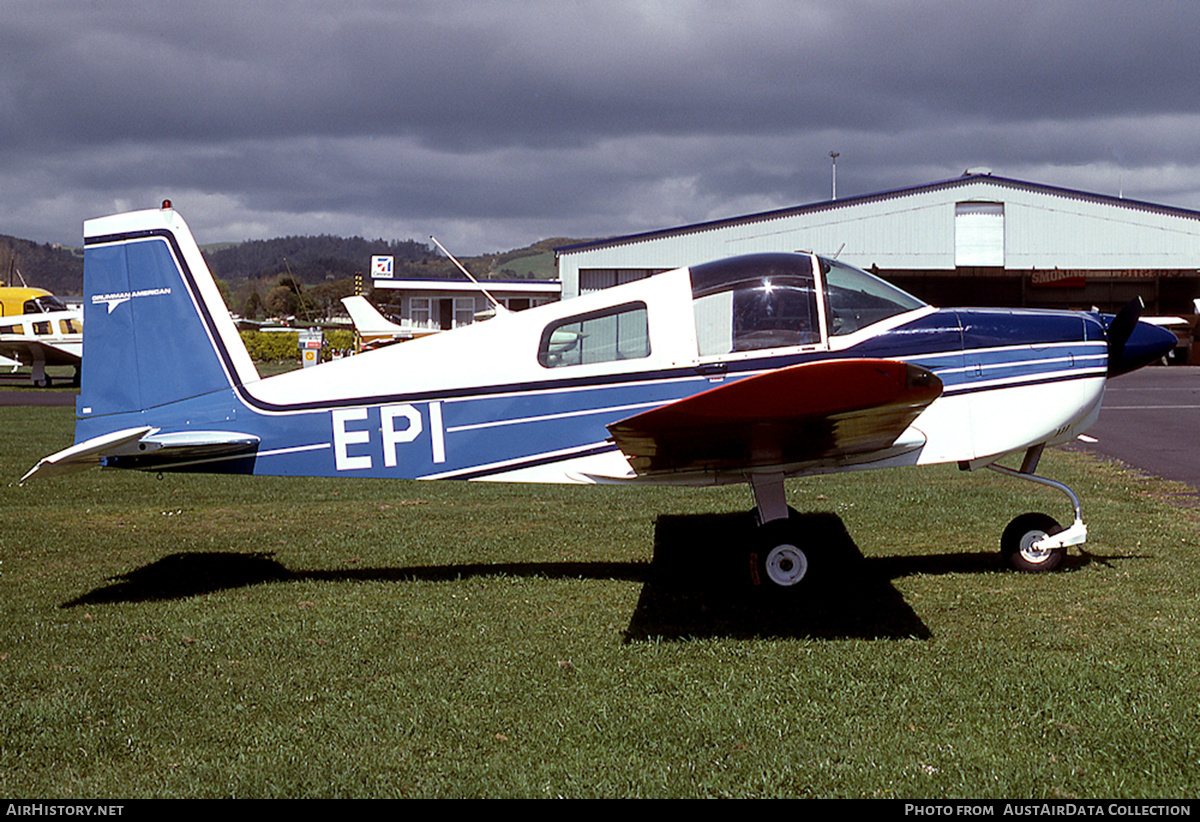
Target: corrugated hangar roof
[848, 202]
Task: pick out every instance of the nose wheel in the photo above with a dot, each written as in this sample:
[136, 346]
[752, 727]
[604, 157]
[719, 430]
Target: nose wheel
[1023, 544]
[1036, 543]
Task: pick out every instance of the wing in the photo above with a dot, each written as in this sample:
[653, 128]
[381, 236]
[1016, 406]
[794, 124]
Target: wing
[27, 350]
[812, 411]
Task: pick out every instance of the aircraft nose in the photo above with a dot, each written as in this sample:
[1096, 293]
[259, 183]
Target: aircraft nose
[1146, 344]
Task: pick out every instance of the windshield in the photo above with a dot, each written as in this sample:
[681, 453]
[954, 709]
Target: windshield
[43, 305]
[855, 299]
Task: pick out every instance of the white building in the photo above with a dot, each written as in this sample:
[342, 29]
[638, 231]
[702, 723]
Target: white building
[439, 305]
[973, 240]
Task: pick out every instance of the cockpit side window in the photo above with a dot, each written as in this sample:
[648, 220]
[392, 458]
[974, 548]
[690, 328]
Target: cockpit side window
[855, 299]
[755, 302]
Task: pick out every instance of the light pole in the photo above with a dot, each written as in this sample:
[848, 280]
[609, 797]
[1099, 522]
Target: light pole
[833, 155]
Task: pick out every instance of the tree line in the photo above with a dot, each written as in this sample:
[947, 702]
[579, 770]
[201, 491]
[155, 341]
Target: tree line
[300, 276]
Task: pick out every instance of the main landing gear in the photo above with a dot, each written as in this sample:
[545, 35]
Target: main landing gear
[777, 559]
[39, 376]
[781, 558]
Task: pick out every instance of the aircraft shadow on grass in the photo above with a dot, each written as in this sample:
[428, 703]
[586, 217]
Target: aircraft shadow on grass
[696, 585]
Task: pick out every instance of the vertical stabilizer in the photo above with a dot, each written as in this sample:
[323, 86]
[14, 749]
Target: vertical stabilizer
[367, 319]
[157, 329]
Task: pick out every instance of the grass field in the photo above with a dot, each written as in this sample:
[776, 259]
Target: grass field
[196, 636]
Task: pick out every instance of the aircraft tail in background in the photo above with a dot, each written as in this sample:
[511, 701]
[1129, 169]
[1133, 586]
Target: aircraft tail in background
[373, 328]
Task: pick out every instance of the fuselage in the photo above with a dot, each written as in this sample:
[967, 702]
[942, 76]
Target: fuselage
[54, 337]
[527, 396]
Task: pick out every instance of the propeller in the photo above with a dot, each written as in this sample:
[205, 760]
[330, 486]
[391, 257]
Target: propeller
[1119, 332]
[1132, 344]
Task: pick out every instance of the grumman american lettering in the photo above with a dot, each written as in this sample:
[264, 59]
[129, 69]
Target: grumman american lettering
[113, 300]
[750, 369]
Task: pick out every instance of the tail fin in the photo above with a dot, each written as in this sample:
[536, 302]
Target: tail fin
[373, 328]
[157, 328]
[367, 318]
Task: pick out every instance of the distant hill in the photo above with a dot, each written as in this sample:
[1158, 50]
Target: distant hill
[55, 268]
[313, 260]
[309, 260]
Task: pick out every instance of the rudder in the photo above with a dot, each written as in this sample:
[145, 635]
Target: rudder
[156, 328]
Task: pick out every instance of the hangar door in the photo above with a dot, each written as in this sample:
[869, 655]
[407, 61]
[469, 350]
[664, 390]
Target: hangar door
[979, 235]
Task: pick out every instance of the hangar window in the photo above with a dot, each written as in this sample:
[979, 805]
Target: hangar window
[618, 333]
[597, 279]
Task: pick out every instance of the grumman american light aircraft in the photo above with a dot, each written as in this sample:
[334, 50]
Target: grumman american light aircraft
[750, 369]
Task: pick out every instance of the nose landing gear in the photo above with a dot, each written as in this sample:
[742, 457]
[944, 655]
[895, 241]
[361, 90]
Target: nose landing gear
[1036, 543]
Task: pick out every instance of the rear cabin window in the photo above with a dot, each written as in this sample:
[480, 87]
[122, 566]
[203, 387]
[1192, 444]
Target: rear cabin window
[619, 333]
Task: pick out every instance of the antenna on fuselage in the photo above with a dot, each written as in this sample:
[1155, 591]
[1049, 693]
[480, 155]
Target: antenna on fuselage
[495, 303]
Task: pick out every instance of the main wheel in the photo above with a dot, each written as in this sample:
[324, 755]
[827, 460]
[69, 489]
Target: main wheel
[1017, 544]
[785, 565]
[778, 562]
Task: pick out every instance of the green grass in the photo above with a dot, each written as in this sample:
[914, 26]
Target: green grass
[196, 636]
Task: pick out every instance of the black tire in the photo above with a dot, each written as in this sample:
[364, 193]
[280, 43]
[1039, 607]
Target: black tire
[1018, 537]
[778, 560]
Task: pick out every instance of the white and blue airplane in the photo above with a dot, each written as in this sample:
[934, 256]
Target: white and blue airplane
[751, 370]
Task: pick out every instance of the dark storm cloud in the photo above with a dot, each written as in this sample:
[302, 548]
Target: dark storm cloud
[497, 123]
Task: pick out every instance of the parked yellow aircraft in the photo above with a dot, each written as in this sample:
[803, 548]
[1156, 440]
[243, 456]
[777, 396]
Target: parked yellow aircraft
[37, 329]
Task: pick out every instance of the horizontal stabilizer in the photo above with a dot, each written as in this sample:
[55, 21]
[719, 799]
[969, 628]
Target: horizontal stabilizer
[812, 411]
[142, 448]
[86, 454]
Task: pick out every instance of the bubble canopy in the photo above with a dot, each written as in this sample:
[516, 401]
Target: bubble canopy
[769, 300]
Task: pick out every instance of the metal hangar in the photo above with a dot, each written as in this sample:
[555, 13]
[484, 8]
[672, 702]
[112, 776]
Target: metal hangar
[977, 240]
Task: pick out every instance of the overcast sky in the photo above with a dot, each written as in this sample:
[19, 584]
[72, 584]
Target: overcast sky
[495, 124]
